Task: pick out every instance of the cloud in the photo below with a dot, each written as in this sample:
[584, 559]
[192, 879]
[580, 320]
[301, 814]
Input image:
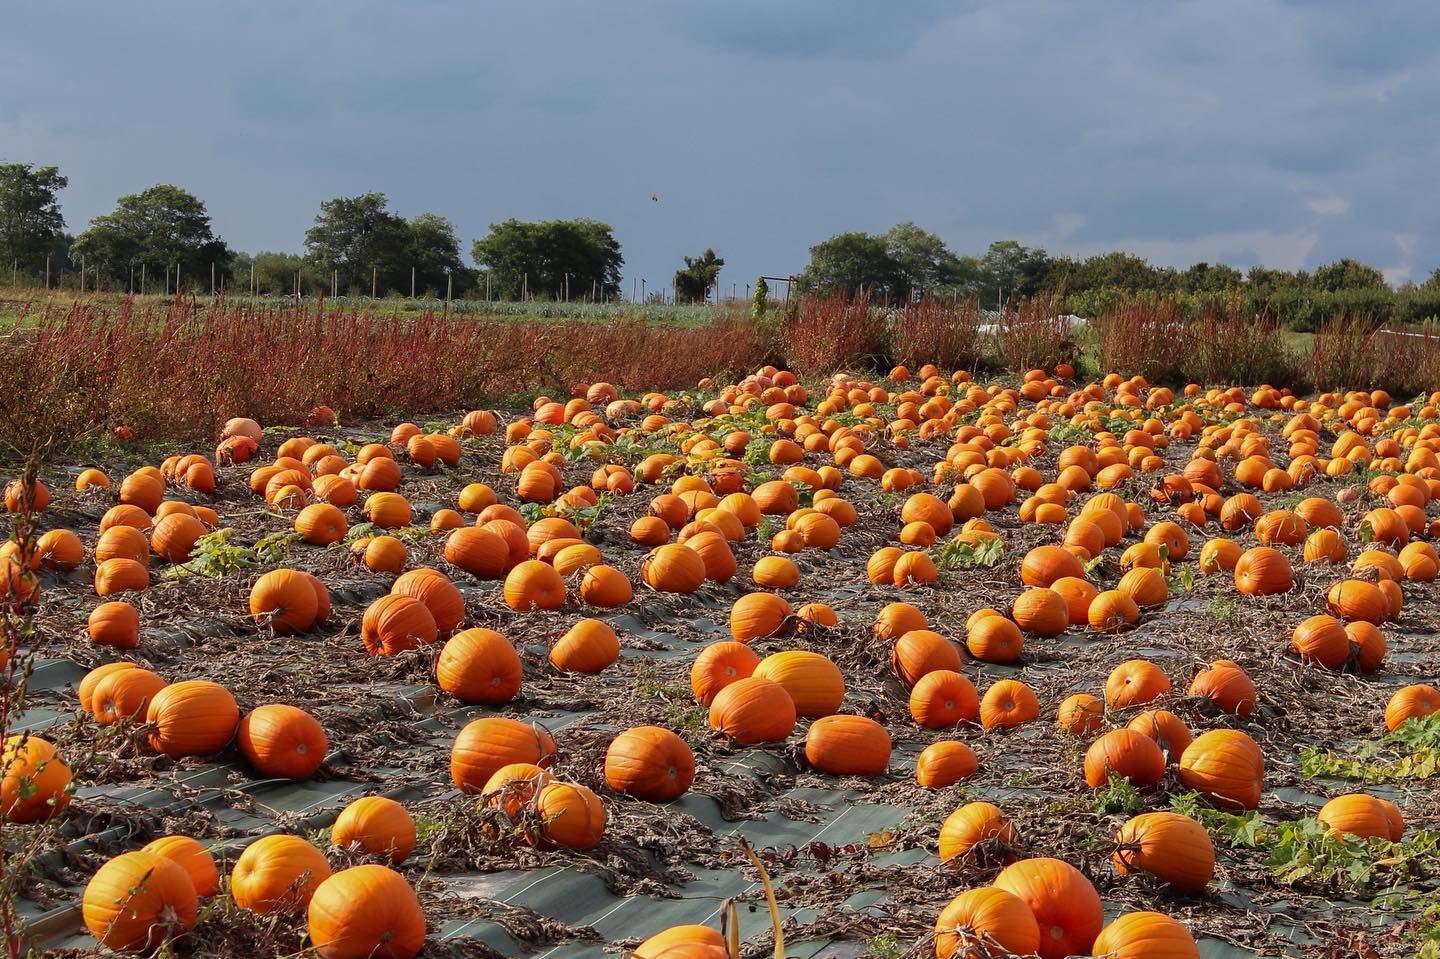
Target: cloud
[1328, 205]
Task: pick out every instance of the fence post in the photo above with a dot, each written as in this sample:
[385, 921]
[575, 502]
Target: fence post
[47, 271]
[412, 282]
[374, 281]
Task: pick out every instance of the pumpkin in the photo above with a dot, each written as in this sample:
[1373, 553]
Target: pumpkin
[1134, 683]
[1167, 729]
[282, 741]
[92, 679]
[1146, 935]
[1145, 586]
[1363, 816]
[1325, 545]
[922, 651]
[897, 619]
[1321, 639]
[440, 596]
[1066, 906]
[1078, 594]
[1127, 754]
[587, 647]
[814, 683]
[1041, 612]
[277, 874]
[478, 551]
[1411, 702]
[816, 614]
[479, 666]
[384, 554]
[366, 911]
[995, 639]
[319, 524]
[945, 763]
[387, 510]
[484, 745]
[1112, 611]
[673, 568]
[120, 576]
[393, 624]
[717, 666]
[977, 832]
[1358, 600]
[1226, 685]
[191, 856]
[122, 542]
[778, 572]
[285, 600]
[943, 698]
[980, 919]
[1080, 715]
[377, 825]
[1043, 565]
[34, 780]
[757, 616]
[753, 710]
[1227, 766]
[1368, 644]
[1007, 704]
[605, 587]
[684, 942]
[535, 585]
[115, 624]
[1263, 571]
[649, 763]
[137, 901]
[192, 718]
[571, 815]
[1219, 555]
[125, 694]
[847, 745]
[1174, 848]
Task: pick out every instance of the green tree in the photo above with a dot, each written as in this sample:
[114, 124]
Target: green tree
[31, 224]
[1432, 283]
[159, 228]
[692, 284]
[275, 274]
[434, 251]
[851, 261]
[1346, 274]
[545, 258]
[1009, 269]
[357, 240]
[923, 262]
[1207, 278]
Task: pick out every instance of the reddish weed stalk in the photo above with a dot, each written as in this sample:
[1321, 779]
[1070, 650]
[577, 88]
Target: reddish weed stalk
[938, 331]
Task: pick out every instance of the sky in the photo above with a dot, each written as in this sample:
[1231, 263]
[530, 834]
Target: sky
[1288, 134]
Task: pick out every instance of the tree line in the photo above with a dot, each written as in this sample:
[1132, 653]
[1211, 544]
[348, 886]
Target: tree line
[162, 239]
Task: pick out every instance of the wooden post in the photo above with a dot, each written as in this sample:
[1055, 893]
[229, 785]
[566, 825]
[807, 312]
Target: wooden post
[252, 278]
[449, 289]
[374, 281]
[212, 277]
[47, 271]
[412, 282]
[82, 274]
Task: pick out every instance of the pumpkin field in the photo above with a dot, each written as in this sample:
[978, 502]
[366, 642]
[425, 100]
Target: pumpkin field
[897, 664]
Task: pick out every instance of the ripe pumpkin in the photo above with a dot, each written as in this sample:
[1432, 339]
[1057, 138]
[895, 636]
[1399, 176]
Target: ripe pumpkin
[649, 763]
[753, 710]
[120, 576]
[393, 624]
[1112, 611]
[922, 651]
[115, 624]
[1041, 612]
[943, 698]
[995, 639]
[684, 942]
[717, 666]
[192, 718]
[1363, 816]
[572, 816]
[778, 572]
[1080, 715]
[979, 832]
[1226, 685]
[945, 763]
[605, 587]
[673, 568]
[1007, 704]
[1146, 935]
[757, 615]
[478, 551]
[1411, 702]
[34, 780]
[484, 745]
[1167, 729]
[319, 524]
[1263, 571]
[285, 600]
[1227, 766]
[137, 901]
[282, 741]
[985, 915]
[535, 585]
[847, 745]
[437, 592]
[587, 647]
[1174, 848]
[1043, 565]
[897, 619]
[277, 874]
[1065, 904]
[1125, 753]
[814, 683]
[191, 856]
[378, 825]
[1356, 599]
[1078, 595]
[1321, 639]
[124, 694]
[366, 911]
[479, 666]
[1135, 682]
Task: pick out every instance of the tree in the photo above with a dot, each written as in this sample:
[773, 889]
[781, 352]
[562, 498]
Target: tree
[434, 251]
[357, 240]
[275, 273]
[922, 260]
[549, 258]
[1432, 284]
[1009, 269]
[161, 228]
[692, 284]
[1204, 277]
[848, 262]
[1347, 274]
[31, 224]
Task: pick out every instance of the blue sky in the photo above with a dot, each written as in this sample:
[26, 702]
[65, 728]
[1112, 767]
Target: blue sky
[1289, 134]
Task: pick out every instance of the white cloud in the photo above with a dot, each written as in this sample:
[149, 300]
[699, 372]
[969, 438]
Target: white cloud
[1328, 205]
[1405, 269]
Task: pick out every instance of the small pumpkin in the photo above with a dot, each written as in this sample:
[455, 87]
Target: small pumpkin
[650, 763]
[377, 825]
[282, 741]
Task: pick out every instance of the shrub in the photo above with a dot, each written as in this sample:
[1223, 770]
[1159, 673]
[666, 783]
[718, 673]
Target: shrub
[946, 333]
[836, 332]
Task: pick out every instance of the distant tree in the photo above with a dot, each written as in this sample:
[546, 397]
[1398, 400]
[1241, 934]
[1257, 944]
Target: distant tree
[434, 251]
[851, 261]
[1431, 284]
[692, 284]
[1121, 271]
[30, 220]
[160, 228]
[356, 239]
[1346, 274]
[275, 274]
[923, 260]
[1207, 278]
[540, 257]
[1262, 280]
[1009, 269]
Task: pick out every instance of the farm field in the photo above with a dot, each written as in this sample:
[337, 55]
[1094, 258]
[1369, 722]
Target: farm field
[977, 665]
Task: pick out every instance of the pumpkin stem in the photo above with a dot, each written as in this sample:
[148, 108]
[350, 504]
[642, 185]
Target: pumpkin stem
[769, 898]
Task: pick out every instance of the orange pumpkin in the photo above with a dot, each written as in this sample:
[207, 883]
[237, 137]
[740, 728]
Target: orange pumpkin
[137, 901]
[366, 911]
[377, 825]
[649, 763]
